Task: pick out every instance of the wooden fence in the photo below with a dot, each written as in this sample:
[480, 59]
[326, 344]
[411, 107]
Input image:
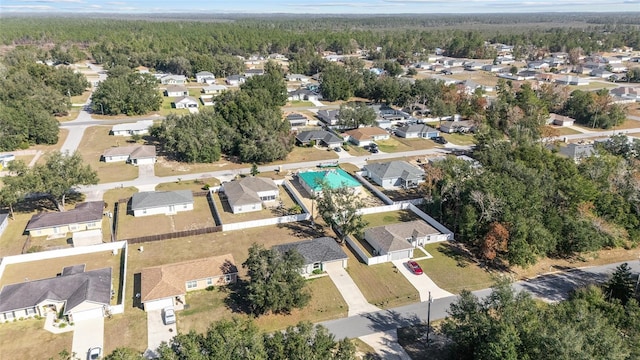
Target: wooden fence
[174, 235]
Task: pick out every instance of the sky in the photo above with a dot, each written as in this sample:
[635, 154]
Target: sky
[318, 6]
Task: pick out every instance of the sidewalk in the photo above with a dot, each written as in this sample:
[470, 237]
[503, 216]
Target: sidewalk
[386, 345]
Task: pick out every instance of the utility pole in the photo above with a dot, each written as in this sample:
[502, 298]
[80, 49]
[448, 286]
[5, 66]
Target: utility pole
[429, 317]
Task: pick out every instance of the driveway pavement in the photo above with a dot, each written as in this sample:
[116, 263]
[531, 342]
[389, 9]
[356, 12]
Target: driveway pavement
[386, 345]
[157, 332]
[87, 334]
[146, 170]
[422, 283]
[350, 292]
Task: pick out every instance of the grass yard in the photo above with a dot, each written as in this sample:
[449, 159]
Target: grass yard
[393, 145]
[381, 284]
[418, 144]
[126, 330]
[562, 130]
[62, 136]
[452, 271]
[390, 217]
[130, 226]
[28, 339]
[350, 168]
[166, 167]
[25, 158]
[595, 85]
[299, 103]
[364, 351]
[72, 114]
[301, 154]
[82, 98]
[355, 150]
[13, 238]
[48, 268]
[228, 217]
[459, 139]
[95, 141]
[166, 108]
[193, 185]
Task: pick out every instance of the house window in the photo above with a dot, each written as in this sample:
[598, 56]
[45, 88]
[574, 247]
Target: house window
[144, 211]
[209, 281]
[228, 278]
[9, 315]
[31, 311]
[192, 284]
[317, 266]
[268, 198]
[185, 206]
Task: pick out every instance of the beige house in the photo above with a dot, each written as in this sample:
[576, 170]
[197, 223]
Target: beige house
[85, 216]
[167, 285]
[249, 193]
[134, 154]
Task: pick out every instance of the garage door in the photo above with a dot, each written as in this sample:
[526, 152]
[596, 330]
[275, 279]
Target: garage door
[332, 265]
[158, 304]
[87, 314]
[401, 255]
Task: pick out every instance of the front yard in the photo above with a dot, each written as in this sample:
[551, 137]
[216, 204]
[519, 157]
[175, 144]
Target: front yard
[95, 141]
[459, 139]
[28, 339]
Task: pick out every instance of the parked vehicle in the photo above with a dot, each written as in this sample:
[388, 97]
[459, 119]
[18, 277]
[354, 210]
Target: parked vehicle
[337, 149]
[169, 316]
[415, 267]
[440, 140]
[374, 150]
[95, 353]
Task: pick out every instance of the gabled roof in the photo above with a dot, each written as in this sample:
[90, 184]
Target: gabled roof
[169, 280]
[326, 136]
[394, 170]
[215, 87]
[83, 213]
[177, 88]
[302, 91]
[393, 237]
[133, 151]
[74, 288]
[204, 73]
[366, 133]
[142, 152]
[185, 99]
[334, 178]
[417, 128]
[322, 249]
[245, 191]
[136, 126]
[155, 199]
[560, 118]
[3, 218]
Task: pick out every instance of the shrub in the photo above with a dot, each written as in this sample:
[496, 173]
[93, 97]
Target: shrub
[317, 272]
[206, 187]
[210, 288]
[34, 249]
[63, 325]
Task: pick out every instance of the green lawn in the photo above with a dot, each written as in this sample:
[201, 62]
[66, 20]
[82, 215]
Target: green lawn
[28, 339]
[95, 141]
[299, 104]
[452, 271]
[459, 139]
[393, 145]
[390, 217]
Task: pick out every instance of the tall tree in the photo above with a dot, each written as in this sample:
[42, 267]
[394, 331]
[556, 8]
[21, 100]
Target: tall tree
[339, 207]
[354, 116]
[621, 286]
[275, 284]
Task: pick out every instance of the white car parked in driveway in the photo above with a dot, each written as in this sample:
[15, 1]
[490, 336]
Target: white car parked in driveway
[169, 316]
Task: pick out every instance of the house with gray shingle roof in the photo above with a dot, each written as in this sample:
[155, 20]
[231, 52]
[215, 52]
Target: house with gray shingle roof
[321, 137]
[134, 154]
[85, 216]
[394, 173]
[417, 131]
[397, 241]
[249, 193]
[78, 294]
[161, 202]
[318, 254]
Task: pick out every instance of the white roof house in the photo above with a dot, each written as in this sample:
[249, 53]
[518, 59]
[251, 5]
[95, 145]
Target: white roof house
[136, 128]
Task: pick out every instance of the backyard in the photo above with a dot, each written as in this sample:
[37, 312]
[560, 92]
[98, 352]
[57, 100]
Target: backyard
[273, 209]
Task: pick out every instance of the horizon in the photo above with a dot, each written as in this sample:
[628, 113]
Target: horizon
[302, 7]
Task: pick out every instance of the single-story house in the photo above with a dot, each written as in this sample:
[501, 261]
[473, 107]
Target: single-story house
[318, 254]
[185, 102]
[176, 90]
[253, 72]
[302, 94]
[572, 80]
[4, 222]
[214, 89]
[134, 154]
[142, 69]
[5, 159]
[366, 135]
[492, 68]
[473, 65]
[626, 92]
[296, 119]
[537, 65]
[249, 193]
[577, 152]
[161, 202]
[461, 126]
[335, 178]
[76, 293]
[85, 216]
[397, 241]
[601, 73]
[394, 173]
[207, 100]
[137, 128]
[560, 120]
[297, 77]
[173, 79]
[167, 285]
[321, 137]
[417, 131]
[205, 77]
[235, 80]
[329, 117]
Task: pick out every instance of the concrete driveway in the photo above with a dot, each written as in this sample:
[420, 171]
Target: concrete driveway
[422, 283]
[87, 334]
[349, 291]
[157, 332]
[386, 345]
[146, 170]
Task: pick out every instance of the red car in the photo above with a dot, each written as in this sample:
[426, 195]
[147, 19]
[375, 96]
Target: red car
[415, 267]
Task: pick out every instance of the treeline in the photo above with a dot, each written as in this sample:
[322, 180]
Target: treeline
[31, 94]
[594, 323]
[164, 44]
[126, 92]
[246, 124]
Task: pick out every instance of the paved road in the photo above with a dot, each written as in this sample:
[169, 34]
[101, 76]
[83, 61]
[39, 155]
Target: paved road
[358, 160]
[551, 287]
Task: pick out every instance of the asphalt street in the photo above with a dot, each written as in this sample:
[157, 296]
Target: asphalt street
[550, 287]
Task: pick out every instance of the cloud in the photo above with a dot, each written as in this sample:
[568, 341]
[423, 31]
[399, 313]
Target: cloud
[26, 7]
[119, 3]
[52, 1]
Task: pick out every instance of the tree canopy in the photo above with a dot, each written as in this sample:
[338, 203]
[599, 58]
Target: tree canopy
[126, 92]
[275, 284]
[339, 207]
